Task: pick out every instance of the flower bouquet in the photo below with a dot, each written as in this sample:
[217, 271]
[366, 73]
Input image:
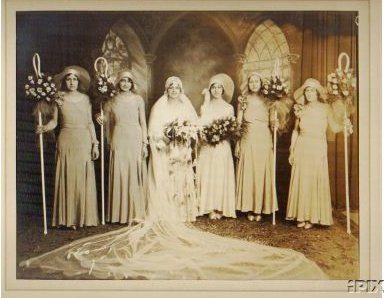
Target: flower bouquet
[103, 89]
[226, 128]
[182, 137]
[274, 88]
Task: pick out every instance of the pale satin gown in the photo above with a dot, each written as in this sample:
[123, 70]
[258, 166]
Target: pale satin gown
[75, 201]
[127, 167]
[215, 168]
[309, 191]
[254, 179]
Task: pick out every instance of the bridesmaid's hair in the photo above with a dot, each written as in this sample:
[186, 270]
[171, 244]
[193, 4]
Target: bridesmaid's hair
[214, 84]
[63, 84]
[318, 97]
[261, 84]
[132, 84]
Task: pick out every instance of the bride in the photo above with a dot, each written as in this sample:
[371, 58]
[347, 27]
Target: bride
[164, 246]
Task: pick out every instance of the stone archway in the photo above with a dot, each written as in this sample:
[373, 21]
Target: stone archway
[194, 47]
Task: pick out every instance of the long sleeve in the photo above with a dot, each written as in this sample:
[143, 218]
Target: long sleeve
[91, 126]
[142, 120]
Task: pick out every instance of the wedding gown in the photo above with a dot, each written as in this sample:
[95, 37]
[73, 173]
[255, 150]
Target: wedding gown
[164, 247]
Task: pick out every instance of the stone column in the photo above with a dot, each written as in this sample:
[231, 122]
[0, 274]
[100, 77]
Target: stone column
[149, 59]
[239, 59]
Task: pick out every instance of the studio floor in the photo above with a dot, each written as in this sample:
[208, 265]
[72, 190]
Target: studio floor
[335, 251]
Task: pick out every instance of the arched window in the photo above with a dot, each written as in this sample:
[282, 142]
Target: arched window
[266, 44]
[115, 52]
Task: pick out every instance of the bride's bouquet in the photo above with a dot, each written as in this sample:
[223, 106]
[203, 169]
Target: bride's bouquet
[182, 136]
[226, 128]
[180, 132]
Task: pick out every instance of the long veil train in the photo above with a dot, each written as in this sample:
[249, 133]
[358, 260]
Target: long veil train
[164, 247]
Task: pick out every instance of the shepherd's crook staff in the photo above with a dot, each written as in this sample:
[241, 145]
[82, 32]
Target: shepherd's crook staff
[36, 66]
[346, 147]
[276, 73]
[102, 140]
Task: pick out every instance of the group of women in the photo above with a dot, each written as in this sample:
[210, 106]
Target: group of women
[163, 198]
[172, 187]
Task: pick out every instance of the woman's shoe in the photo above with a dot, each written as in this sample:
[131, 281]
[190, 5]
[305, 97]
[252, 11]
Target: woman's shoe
[308, 225]
[212, 215]
[219, 215]
[301, 224]
[250, 217]
[258, 217]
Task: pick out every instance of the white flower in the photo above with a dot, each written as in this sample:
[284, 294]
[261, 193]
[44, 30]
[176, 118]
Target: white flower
[39, 81]
[27, 86]
[39, 90]
[49, 89]
[279, 88]
[43, 94]
[38, 97]
[32, 90]
[335, 92]
[265, 92]
[334, 87]
[30, 78]
[45, 84]
[273, 86]
[266, 87]
[349, 75]
[345, 92]
[32, 82]
[48, 98]
[27, 92]
[49, 78]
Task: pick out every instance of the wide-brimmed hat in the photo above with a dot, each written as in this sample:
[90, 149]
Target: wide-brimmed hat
[79, 72]
[125, 74]
[227, 83]
[298, 95]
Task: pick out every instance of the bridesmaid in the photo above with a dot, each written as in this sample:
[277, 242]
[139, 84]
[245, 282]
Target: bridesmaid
[215, 169]
[254, 180]
[127, 135]
[309, 200]
[75, 197]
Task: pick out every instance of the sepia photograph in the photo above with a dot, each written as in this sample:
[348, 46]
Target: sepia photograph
[200, 146]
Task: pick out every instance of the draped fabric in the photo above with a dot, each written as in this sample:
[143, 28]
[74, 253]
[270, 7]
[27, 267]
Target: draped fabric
[164, 247]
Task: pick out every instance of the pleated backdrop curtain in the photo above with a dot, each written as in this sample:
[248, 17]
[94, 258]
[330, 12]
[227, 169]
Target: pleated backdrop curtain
[324, 37]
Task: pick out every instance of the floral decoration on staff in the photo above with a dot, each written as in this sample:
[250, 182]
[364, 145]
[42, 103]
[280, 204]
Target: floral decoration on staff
[274, 88]
[41, 89]
[102, 88]
[222, 129]
[341, 87]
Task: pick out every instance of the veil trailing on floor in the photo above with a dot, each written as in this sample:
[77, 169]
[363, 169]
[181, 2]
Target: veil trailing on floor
[164, 247]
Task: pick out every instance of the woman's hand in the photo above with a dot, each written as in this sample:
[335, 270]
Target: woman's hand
[95, 151]
[291, 159]
[41, 129]
[145, 151]
[237, 150]
[100, 119]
